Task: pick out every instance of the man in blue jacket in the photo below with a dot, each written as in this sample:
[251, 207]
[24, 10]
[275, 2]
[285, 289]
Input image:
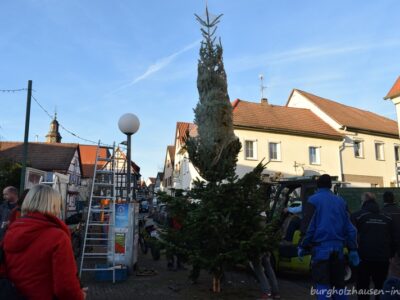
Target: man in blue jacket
[327, 229]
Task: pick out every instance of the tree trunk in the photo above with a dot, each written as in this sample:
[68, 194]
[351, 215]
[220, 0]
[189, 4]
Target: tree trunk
[216, 284]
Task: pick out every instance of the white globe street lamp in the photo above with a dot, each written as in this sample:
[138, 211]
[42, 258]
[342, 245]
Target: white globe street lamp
[129, 124]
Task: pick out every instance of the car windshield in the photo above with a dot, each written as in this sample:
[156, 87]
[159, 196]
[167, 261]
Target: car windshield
[284, 198]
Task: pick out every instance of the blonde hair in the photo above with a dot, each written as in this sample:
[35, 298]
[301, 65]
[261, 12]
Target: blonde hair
[42, 198]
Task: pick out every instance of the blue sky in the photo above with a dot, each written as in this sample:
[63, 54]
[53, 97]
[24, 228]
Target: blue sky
[95, 60]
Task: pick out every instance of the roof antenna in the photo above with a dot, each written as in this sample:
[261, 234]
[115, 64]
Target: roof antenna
[262, 88]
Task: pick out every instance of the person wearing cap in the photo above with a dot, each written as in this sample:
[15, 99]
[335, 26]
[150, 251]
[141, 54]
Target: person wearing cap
[327, 229]
[376, 244]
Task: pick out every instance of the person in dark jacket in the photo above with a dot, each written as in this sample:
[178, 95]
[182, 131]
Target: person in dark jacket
[10, 196]
[391, 209]
[327, 230]
[375, 239]
[38, 253]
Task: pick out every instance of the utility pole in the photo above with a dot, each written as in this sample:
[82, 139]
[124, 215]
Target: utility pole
[25, 148]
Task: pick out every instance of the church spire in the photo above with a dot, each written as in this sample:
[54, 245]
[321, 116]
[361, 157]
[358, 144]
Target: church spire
[54, 135]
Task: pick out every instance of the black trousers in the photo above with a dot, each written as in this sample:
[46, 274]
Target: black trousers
[329, 272]
[375, 270]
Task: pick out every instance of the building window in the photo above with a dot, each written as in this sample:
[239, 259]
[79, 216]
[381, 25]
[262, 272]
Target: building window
[358, 149]
[314, 153]
[250, 149]
[379, 151]
[397, 152]
[274, 151]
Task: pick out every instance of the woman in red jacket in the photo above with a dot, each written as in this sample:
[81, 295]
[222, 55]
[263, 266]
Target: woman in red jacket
[38, 254]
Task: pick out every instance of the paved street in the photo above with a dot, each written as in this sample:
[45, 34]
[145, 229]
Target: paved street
[168, 285]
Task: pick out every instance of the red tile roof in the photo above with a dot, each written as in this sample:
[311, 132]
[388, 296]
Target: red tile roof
[43, 156]
[281, 119]
[171, 151]
[394, 91]
[88, 158]
[184, 129]
[134, 166]
[354, 118]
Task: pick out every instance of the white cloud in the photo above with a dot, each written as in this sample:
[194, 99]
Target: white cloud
[303, 53]
[305, 80]
[157, 66]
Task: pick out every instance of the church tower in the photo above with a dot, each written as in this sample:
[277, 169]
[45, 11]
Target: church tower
[54, 135]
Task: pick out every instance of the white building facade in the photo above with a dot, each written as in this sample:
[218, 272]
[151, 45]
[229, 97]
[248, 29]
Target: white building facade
[311, 135]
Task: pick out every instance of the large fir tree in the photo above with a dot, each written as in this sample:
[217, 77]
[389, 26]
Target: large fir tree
[214, 150]
[225, 227]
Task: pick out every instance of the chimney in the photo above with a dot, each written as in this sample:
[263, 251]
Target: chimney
[264, 101]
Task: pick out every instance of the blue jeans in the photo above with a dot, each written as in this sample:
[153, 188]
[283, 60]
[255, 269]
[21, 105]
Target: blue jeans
[265, 274]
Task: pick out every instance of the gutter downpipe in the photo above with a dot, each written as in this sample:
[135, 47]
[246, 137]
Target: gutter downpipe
[341, 148]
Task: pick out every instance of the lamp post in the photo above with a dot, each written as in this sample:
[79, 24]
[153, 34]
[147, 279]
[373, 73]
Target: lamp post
[128, 124]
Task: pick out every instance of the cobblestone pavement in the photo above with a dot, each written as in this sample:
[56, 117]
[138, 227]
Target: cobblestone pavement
[167, 285]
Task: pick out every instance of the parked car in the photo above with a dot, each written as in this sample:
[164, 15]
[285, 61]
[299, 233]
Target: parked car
[160, 214]
[144, 206]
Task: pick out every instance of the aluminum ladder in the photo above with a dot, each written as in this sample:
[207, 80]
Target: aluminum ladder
[98, 251]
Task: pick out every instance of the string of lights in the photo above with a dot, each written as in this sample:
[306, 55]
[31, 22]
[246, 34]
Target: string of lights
[64, 128]
[51, 117]
[13, 90]
[40, 105]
